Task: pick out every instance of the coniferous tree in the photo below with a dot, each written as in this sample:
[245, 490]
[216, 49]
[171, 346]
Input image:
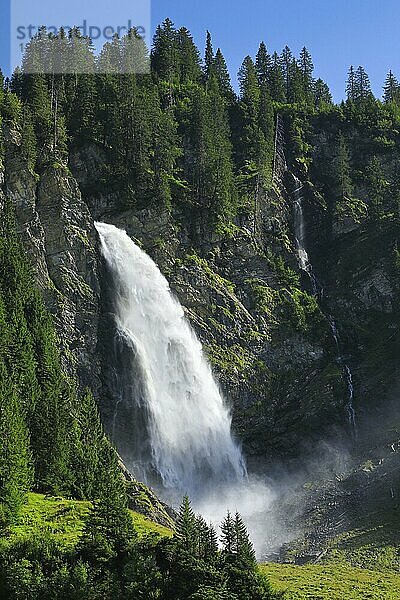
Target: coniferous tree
[190, 67]
[28, 138]
[186, 526]
[165, 155]
[342, 170]
[17, 82]
[16, 473]
[84, 110]
[208, 58]
[239, 560]
[250, 104]
[243, 547]
[165, 57]
[306, 67]
[254, 148]
[276, 80]
[109, 532]
[351, 86]
[207, 160]
[263, 64]
[228, 539]
[221, 73]
[362, 84]
[207, 541]
[296, 91]
[36, 93]
[267, 126]
[322, 94]
[391, 89]
[81, 58]
[287, 63]
[1, 86]
[88, 438]
[377, 186]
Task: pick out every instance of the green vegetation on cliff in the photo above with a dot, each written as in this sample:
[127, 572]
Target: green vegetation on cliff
[180, 142]
[53, 440]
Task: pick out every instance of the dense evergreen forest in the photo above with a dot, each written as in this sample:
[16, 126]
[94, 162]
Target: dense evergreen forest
[180, 139]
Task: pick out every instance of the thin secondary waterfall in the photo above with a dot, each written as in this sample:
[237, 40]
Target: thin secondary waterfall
[300, 235]
[350, 411]
[188, 423]
[306, 266]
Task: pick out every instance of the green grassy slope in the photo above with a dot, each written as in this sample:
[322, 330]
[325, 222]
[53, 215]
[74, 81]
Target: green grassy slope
[362, 564]
[64, 520]
[332, 582]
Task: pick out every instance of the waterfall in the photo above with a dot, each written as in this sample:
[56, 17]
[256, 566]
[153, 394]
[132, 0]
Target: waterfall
[306, 266]
[300, 236]
[350, 411]
[188, 423]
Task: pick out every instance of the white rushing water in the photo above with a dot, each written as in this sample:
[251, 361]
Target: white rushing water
[189, 423]
[300, 235]
[306, 266]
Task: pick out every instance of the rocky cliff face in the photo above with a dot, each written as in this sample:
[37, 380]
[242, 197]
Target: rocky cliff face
[357, 261]
[57, 231]
[268, 339]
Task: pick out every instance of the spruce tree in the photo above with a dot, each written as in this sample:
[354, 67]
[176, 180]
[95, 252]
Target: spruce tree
[228, 538]
[88, 438]
[208, 58]
[28, 139]
[189, 57]
[243, 547]
[1, 86]
[221, 73]
[83, 113]
[263, 64]
[322, 94]
[207, 541]
[36, 93]
[186, 529]
[297, 93]
[109, 533]
[165, 58]
[342, 170]
[16, 472]
[306, 67]
[391, 89]
[267, 126]
[207, 160]
[377, 189]
[351, 87]
[362, 83]
[276, 80]
[287, 62]
[250, 135]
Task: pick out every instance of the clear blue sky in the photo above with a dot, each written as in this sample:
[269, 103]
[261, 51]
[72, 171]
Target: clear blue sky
[337, 32]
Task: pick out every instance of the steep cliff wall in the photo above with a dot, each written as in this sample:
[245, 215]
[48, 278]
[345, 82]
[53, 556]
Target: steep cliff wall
[266, 337]
[58, 234]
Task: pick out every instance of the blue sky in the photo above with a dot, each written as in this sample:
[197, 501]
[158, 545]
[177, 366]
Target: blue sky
[337, 32]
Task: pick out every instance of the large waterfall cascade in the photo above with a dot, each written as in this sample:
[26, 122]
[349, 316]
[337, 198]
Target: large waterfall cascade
[306, 266]
[189, 424]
